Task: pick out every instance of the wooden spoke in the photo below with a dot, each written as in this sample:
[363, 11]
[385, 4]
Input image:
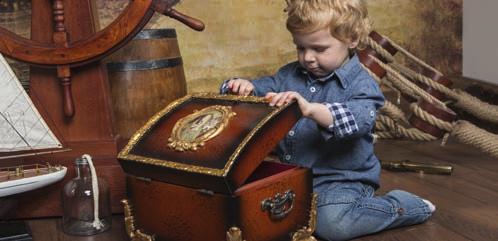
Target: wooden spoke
[129, 23]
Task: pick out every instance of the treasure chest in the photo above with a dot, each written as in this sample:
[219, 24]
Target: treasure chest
[196, 172]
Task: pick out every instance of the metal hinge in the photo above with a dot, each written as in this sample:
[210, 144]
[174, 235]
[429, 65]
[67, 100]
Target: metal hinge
[145, 179]
[206, 192]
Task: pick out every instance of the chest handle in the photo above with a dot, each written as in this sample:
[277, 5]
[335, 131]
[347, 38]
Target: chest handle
[280, 205]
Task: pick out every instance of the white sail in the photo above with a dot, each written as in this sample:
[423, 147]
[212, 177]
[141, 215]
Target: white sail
[21, 126]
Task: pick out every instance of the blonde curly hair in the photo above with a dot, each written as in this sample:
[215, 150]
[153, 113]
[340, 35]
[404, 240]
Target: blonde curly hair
[347, 19]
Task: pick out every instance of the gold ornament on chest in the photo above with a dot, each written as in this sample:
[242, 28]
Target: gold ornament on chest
[192, 131]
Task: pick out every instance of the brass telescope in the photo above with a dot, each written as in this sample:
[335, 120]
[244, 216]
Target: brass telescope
[406, 165]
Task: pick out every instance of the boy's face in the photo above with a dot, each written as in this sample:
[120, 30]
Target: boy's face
[319, 52]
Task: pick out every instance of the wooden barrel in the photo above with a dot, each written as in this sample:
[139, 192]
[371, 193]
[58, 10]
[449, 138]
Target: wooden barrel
[145, 76]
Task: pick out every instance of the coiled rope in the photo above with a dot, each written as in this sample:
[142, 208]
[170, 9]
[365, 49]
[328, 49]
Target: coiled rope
[464, 101]
[389, 118]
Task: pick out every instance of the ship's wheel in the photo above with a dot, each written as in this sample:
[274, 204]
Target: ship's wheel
[64, 51]
[64, 54]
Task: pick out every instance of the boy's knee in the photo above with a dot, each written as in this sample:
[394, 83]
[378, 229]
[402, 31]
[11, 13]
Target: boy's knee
[411, 208]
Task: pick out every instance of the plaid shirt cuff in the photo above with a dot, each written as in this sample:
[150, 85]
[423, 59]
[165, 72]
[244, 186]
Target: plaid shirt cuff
[344, 122]
[224, 87]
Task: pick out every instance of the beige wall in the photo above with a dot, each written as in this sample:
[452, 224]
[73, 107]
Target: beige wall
[479, 38]
[248, 38]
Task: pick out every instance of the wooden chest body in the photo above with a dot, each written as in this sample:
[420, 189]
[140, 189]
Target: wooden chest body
[195, 189]
[177, 213]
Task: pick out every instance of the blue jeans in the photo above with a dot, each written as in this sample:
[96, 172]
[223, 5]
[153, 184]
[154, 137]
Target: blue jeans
[349, 209]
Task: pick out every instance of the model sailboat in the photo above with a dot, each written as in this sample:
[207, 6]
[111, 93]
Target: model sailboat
[23, 132]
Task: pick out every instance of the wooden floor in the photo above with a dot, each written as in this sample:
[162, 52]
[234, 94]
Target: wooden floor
[467, 201]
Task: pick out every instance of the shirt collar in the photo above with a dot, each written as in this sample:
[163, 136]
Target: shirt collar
[343, 74]
[347, 72]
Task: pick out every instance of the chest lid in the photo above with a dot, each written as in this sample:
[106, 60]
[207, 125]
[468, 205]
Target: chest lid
[207, 141]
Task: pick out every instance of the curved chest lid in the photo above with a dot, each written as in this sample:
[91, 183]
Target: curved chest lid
[207, 141]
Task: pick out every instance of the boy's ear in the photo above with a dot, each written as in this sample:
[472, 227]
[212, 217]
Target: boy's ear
[354, 44]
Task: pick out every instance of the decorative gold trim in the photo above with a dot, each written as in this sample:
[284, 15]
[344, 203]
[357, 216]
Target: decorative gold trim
[306, 233]
[238, 98]
[175, 165]
[125, 153]
[133, 233]
[195, 129]
[234, 234]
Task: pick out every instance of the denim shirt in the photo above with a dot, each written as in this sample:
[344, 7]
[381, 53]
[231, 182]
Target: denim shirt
[336, 153]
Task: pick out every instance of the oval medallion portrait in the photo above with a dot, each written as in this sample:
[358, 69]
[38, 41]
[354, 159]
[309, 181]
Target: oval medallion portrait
[195, 129]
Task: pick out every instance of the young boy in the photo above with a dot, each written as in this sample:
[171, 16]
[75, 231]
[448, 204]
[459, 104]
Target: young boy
[338, 100]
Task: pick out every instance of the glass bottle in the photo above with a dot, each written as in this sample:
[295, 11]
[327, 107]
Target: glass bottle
[78, 203]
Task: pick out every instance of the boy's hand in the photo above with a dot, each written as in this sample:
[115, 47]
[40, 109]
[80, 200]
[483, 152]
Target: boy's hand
[279, 99]
[316, 111]
[240, 86]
